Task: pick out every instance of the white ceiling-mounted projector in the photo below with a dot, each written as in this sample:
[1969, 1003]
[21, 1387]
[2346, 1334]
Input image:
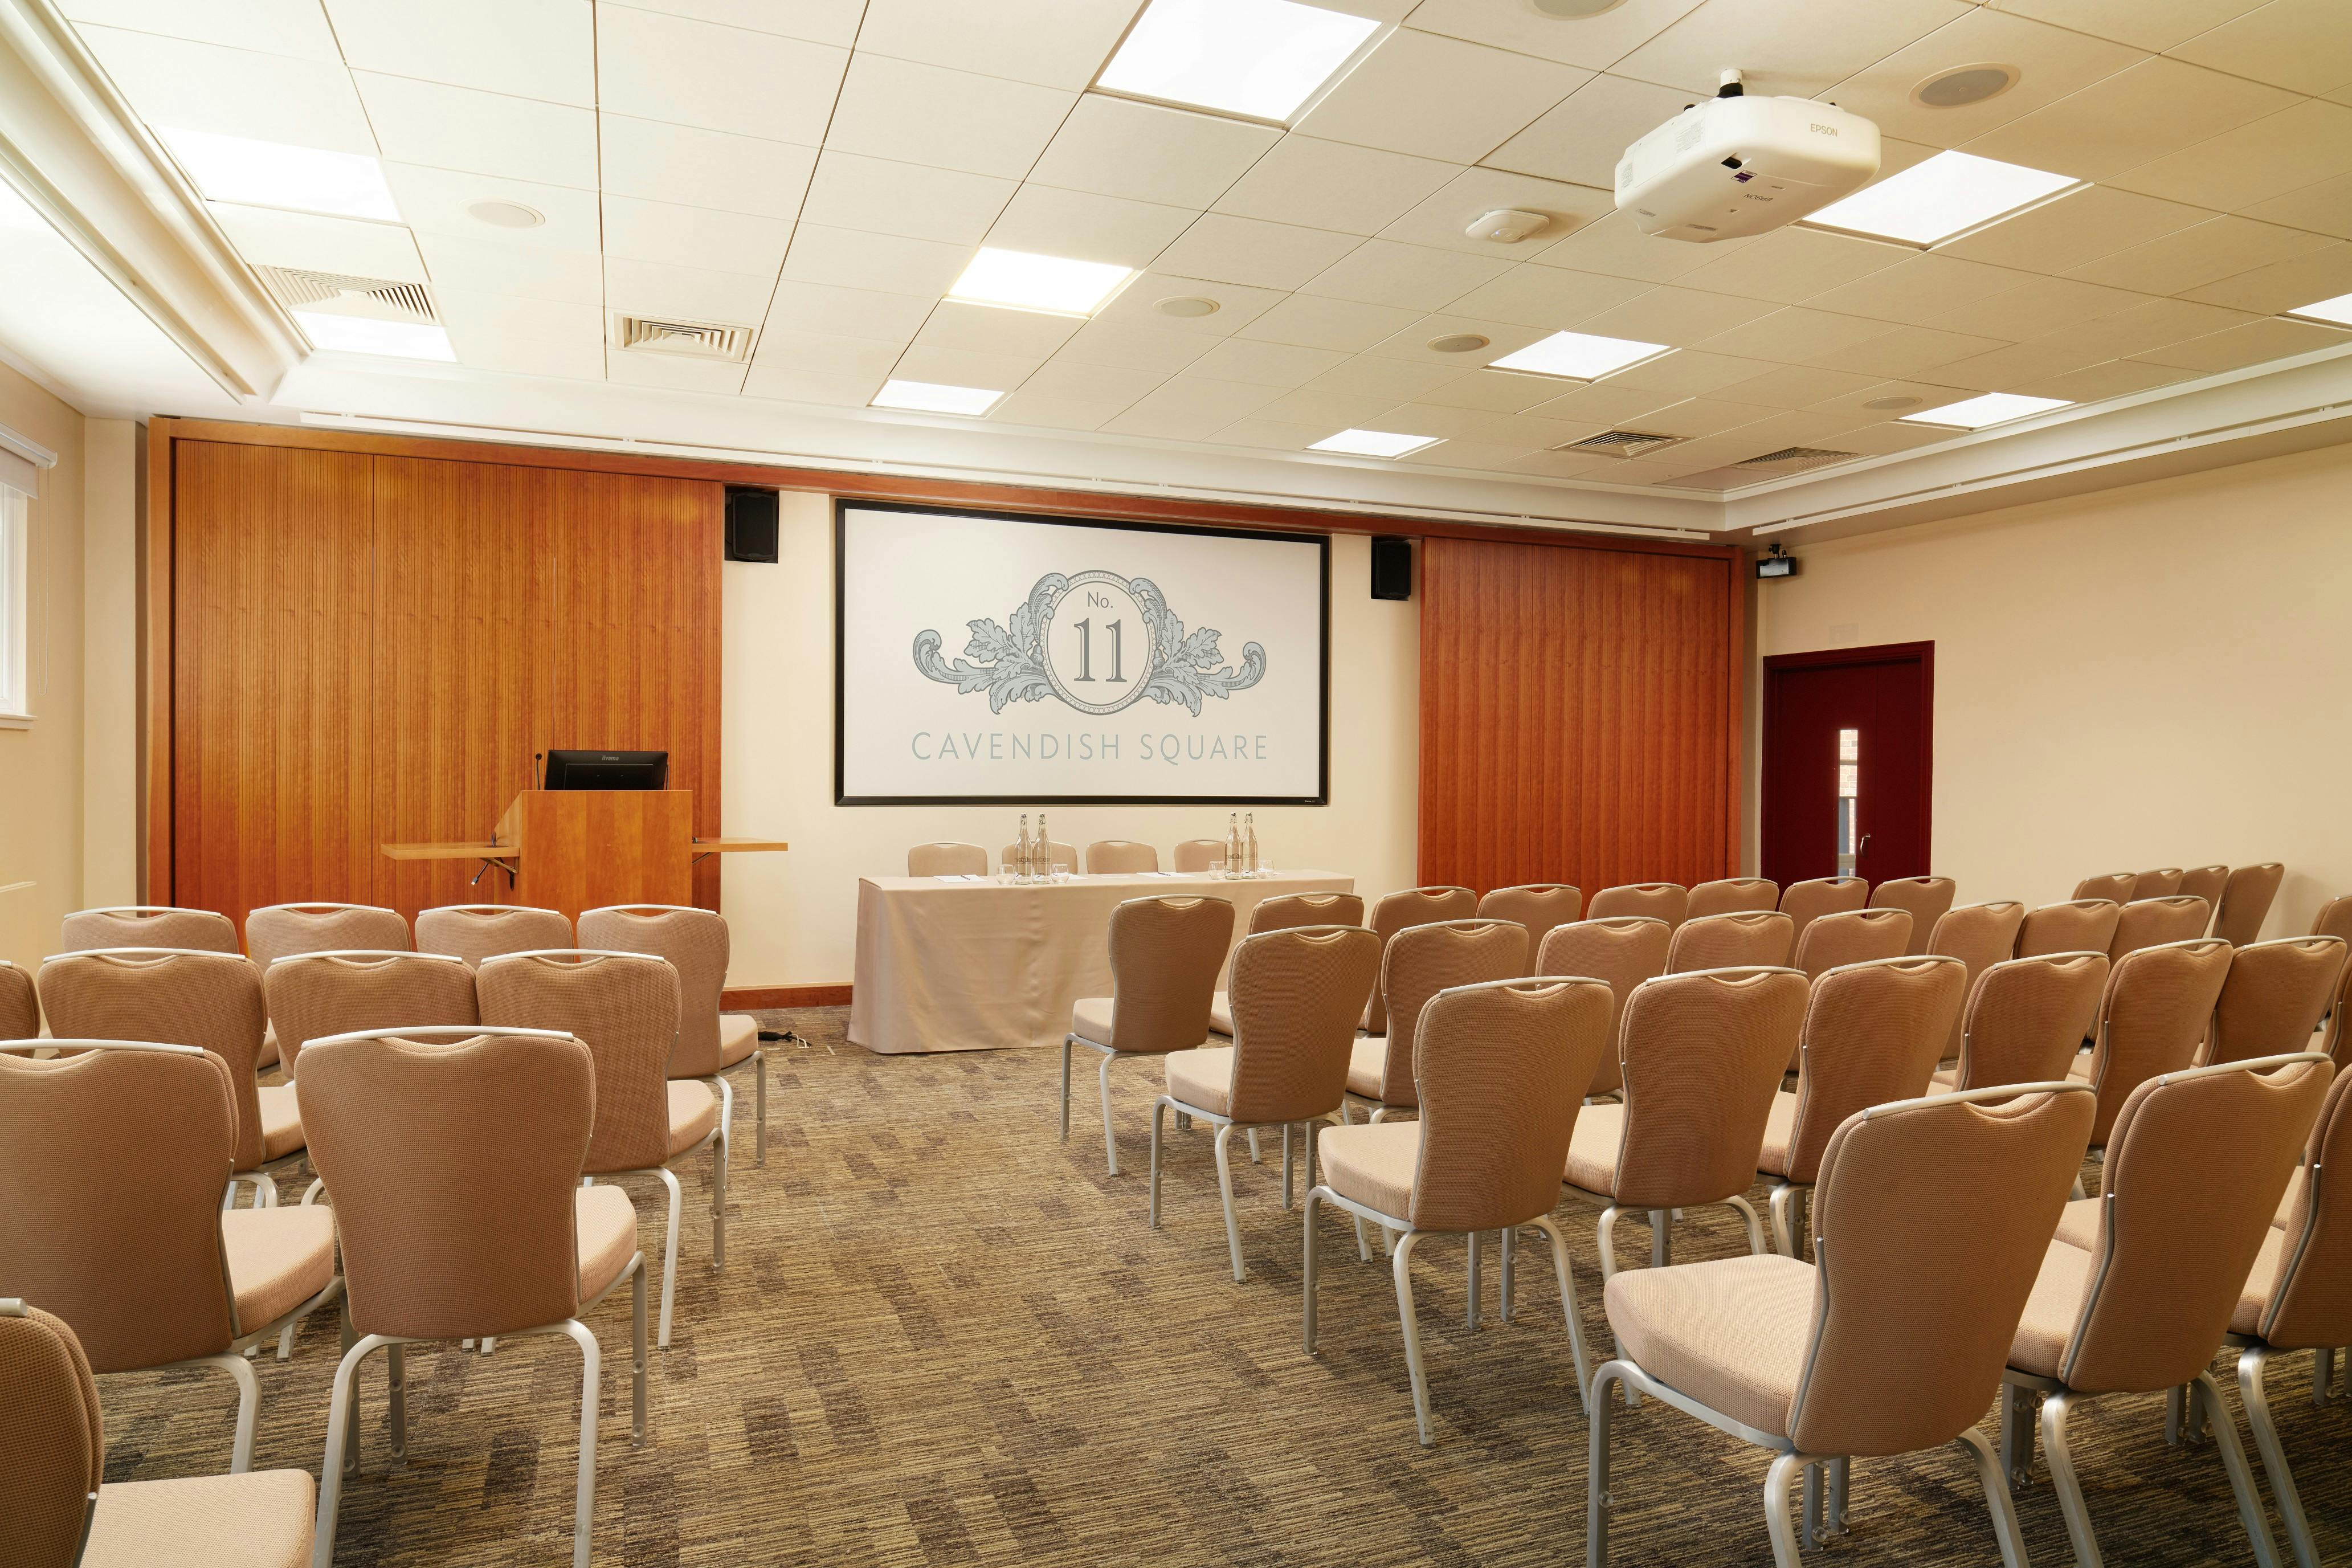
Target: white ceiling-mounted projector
[1737, 165]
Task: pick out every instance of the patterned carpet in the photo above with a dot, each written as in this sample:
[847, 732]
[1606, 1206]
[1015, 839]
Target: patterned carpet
[943, 1339]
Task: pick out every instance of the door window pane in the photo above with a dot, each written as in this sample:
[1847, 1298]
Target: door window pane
[1849, 788]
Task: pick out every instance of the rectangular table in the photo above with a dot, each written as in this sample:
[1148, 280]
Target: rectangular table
[975, 966]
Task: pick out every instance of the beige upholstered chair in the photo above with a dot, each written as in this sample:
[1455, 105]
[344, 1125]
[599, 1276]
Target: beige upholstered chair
[1979, 935]
[1058, 854]
[20, 1004]
[1701, 1058]
[1623, 951]
[1856, 936]
[1288, 912]
[454, 1157]
[313, 995]
[125, 1237]
[2274, 997]
[2335, 919]
[1419, 963]
[1734, 896]
[148, 925]
[1412, 907]
[2152, 922]
[1925, 899]
[2205, 882]
[1805, 902]
[1502, 1067]
[1164, 958]
[281, 930]
[2161, 883]
[2086, 925]
[2246, 902]
[1297, 993]
[623, 1007]
[1667, 901]
[1871, 1034]
[53, 1459]
[1120, 858]
[2115, 887]
[1197, 855]
[710, 1042]
[934, 860]
[1893, 1342]
[1540, 906]
[1757, 938]
[2197, 1161]
[2158, 1005]
[477, 932]
[2027, 1017]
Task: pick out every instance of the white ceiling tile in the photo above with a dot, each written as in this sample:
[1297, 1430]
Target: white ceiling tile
[964, 367]
[1796, 52]
[2036, 307]
[2114, 378]
[818, 21]
[2144, 24]
[1917, 289]
[2078, 227]
[1887, 437]
[1237, 305]
[1053, 410]
[1414, 277]
[693, 293]
[2207, 253]
[2144, 327]
[1568, 464]
[480, 133]
[1777, 430]
[1444, 218]
[1703, 417]
[1793, 335]
[1548, 297]
[2305, 46]
[1670, 314]
[1579, 140]
[848, 258]
[1436, 97]
[316, 244]
[1797, 386]
[2324, 205]
[532, 48]
[1084, 227]
[1333, 409]
[661, 162]
[1612, 244]
[1271, 434]
[267, 27]
[491, 267]
[1904, 352]
[1606, 403]
[784, 383]
[2282, 153]
[529, 337]
[2285, 285]
[1130, 346]
[694, 237]
[676, 373]
[2053, 62]
[953, 120]
[1497, 391]
[2157, 107]
[1190, 408]
[825, 354]
[2007, 369]
[1413, 341]
[1332, 184]
[1248, 251]
[1595, 42]
[1689, 373]
[1467, 457]
[177, 85]
[1793, 264]
[1117, 147]
[845, 311]
[438, 199]
[1054, 43]
[1850, 406]
[654, 67]
[986, 329]
[2253, 342]
[1311, 321]
[1397, 380]
[1111, 386]
[1266, 364]
[906, 199]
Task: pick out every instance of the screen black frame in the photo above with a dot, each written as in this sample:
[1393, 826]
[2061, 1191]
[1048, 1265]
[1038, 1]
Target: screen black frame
[843, 505]
[655, 764]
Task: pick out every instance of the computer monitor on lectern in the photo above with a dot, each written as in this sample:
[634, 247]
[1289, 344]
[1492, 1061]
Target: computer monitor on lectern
[607, 769]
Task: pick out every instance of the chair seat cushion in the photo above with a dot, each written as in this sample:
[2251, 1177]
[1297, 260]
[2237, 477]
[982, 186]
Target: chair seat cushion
[693, 1112]
[1780, 1127]
[607, 1233]
[1203, 1078]
[2294, 1191]
[1220, 1013]
[261, 1520]
[268, 1055]
[277, 1259]
[1368, 1066]
[281, 1121]
[1372, 1166]
[2078, 1225]
[2260, 1282]
[1090, 1019]
[1593, 1148]
[1730, 1334]
[1945, 1077]
[2051, 1309]
[739, 1036]
[2079, 1070]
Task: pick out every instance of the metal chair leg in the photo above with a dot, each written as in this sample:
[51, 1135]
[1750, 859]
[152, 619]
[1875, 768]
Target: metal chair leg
[1286, 1167]
[1158, 1114]
[1307, 1271]
[396, 1370]
[1066, 1089]
[1110, 1143]
[1253, 1142]
[1225, 1190]
[1662, 1238]
[1566, 1296]
[2055, 1408]
[1510, 1234]
[2224, 1428]
[2253, 1363]
[637, 1355]
[248, 1408]
[2322, 1374]
[342, 1411]
[584, 1526]
[722, 1156]
[1402, 1266]
[1777, 1484]
[2017, 1419]
[1997, 1499]
[1596, 1484]
[1755, 1225]
[1477, 1288]
[669, 1248]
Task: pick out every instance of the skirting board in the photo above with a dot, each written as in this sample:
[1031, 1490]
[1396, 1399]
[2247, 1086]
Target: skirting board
[752, 999]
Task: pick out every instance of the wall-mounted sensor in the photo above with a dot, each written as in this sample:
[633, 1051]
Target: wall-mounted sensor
[1506, 225]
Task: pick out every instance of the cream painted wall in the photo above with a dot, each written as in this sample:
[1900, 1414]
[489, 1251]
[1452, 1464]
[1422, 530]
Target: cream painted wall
[41, 766]
[109, 750]
[2150, 675]
[793, 916]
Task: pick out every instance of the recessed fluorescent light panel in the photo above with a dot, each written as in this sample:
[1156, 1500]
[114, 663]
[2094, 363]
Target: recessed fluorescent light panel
[1993, 408]
[1024, 281]
[1950, 193]
[1373, 443]
[275, 174]
[1261, 59]
[1579, 356]
[2338, 311]
[373, 335]
[935, 397]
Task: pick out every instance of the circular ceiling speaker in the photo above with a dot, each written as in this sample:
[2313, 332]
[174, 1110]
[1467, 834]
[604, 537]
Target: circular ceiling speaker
[1459, 342]
[1573, 10]
[1893, 402]
[1188, 306]
[508, 215]
[1965, 85]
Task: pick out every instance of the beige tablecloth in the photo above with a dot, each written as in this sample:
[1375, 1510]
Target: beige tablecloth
[975, 966]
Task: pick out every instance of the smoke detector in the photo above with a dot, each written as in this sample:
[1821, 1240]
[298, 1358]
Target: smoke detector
[1506, 225]
[1965, 85]
[1459, 342]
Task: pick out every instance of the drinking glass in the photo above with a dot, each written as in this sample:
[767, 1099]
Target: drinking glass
[1061, 872]
[1266, 868]
[1217, 870]
[1007, 874]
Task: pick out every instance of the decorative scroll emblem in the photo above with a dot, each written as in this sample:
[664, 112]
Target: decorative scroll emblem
[1099, 642]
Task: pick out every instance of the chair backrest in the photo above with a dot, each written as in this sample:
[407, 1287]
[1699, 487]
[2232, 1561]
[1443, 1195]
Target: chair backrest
[2115, 887]
[1872, 1032]
[1291, 911]
[2158, 1005]
[1852, 936]
[20, 1004]
[696, 943]
[1624, 952]
[2335, 919]
[311, 995]
[1297, 993]
[281, 930]
[1121, 856]
[1805, 902]
[1422, 961]
[1733, 896]
[1910, 1332]
[925, 860]
[148, 925]
[1701, 1057]
[1667, 901]
[2205, 882]
[2272, 1003]
[2310, 1296]
[2161, 883]
[1164, 958]
[2152, 922]
[452, 1156]
[1412, 907]
[477, 932]
[2196, 1164]
[1979, 935]
[208, 1000]
[52, 1443]
[1926, 899]
[114, 1158]
[2246, 902]
[2028, 1017]
[623, 1007]
[2086, 925]
[1760, 938]
[1199, 854]
[1502, 1068]
[1058, 854]
[1540, 906]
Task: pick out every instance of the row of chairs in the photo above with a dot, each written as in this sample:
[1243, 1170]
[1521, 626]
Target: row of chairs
[1104, 857]
[2239, 896]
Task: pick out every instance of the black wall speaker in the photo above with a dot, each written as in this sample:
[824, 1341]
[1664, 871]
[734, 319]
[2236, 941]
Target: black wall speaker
[750, 525]
[1392, 568]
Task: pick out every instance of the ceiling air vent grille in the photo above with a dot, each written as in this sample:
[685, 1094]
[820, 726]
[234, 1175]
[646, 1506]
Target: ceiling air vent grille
[299, 288]
[1794, 458]
[694, 340]
[1621, 444]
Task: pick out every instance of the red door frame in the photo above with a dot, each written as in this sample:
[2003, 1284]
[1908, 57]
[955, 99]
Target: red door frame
[1923, 653]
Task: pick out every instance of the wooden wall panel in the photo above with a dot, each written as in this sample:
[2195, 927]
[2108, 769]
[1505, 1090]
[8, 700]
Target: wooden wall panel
[1577, 719]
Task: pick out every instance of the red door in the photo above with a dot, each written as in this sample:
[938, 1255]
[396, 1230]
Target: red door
[1847, 738]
